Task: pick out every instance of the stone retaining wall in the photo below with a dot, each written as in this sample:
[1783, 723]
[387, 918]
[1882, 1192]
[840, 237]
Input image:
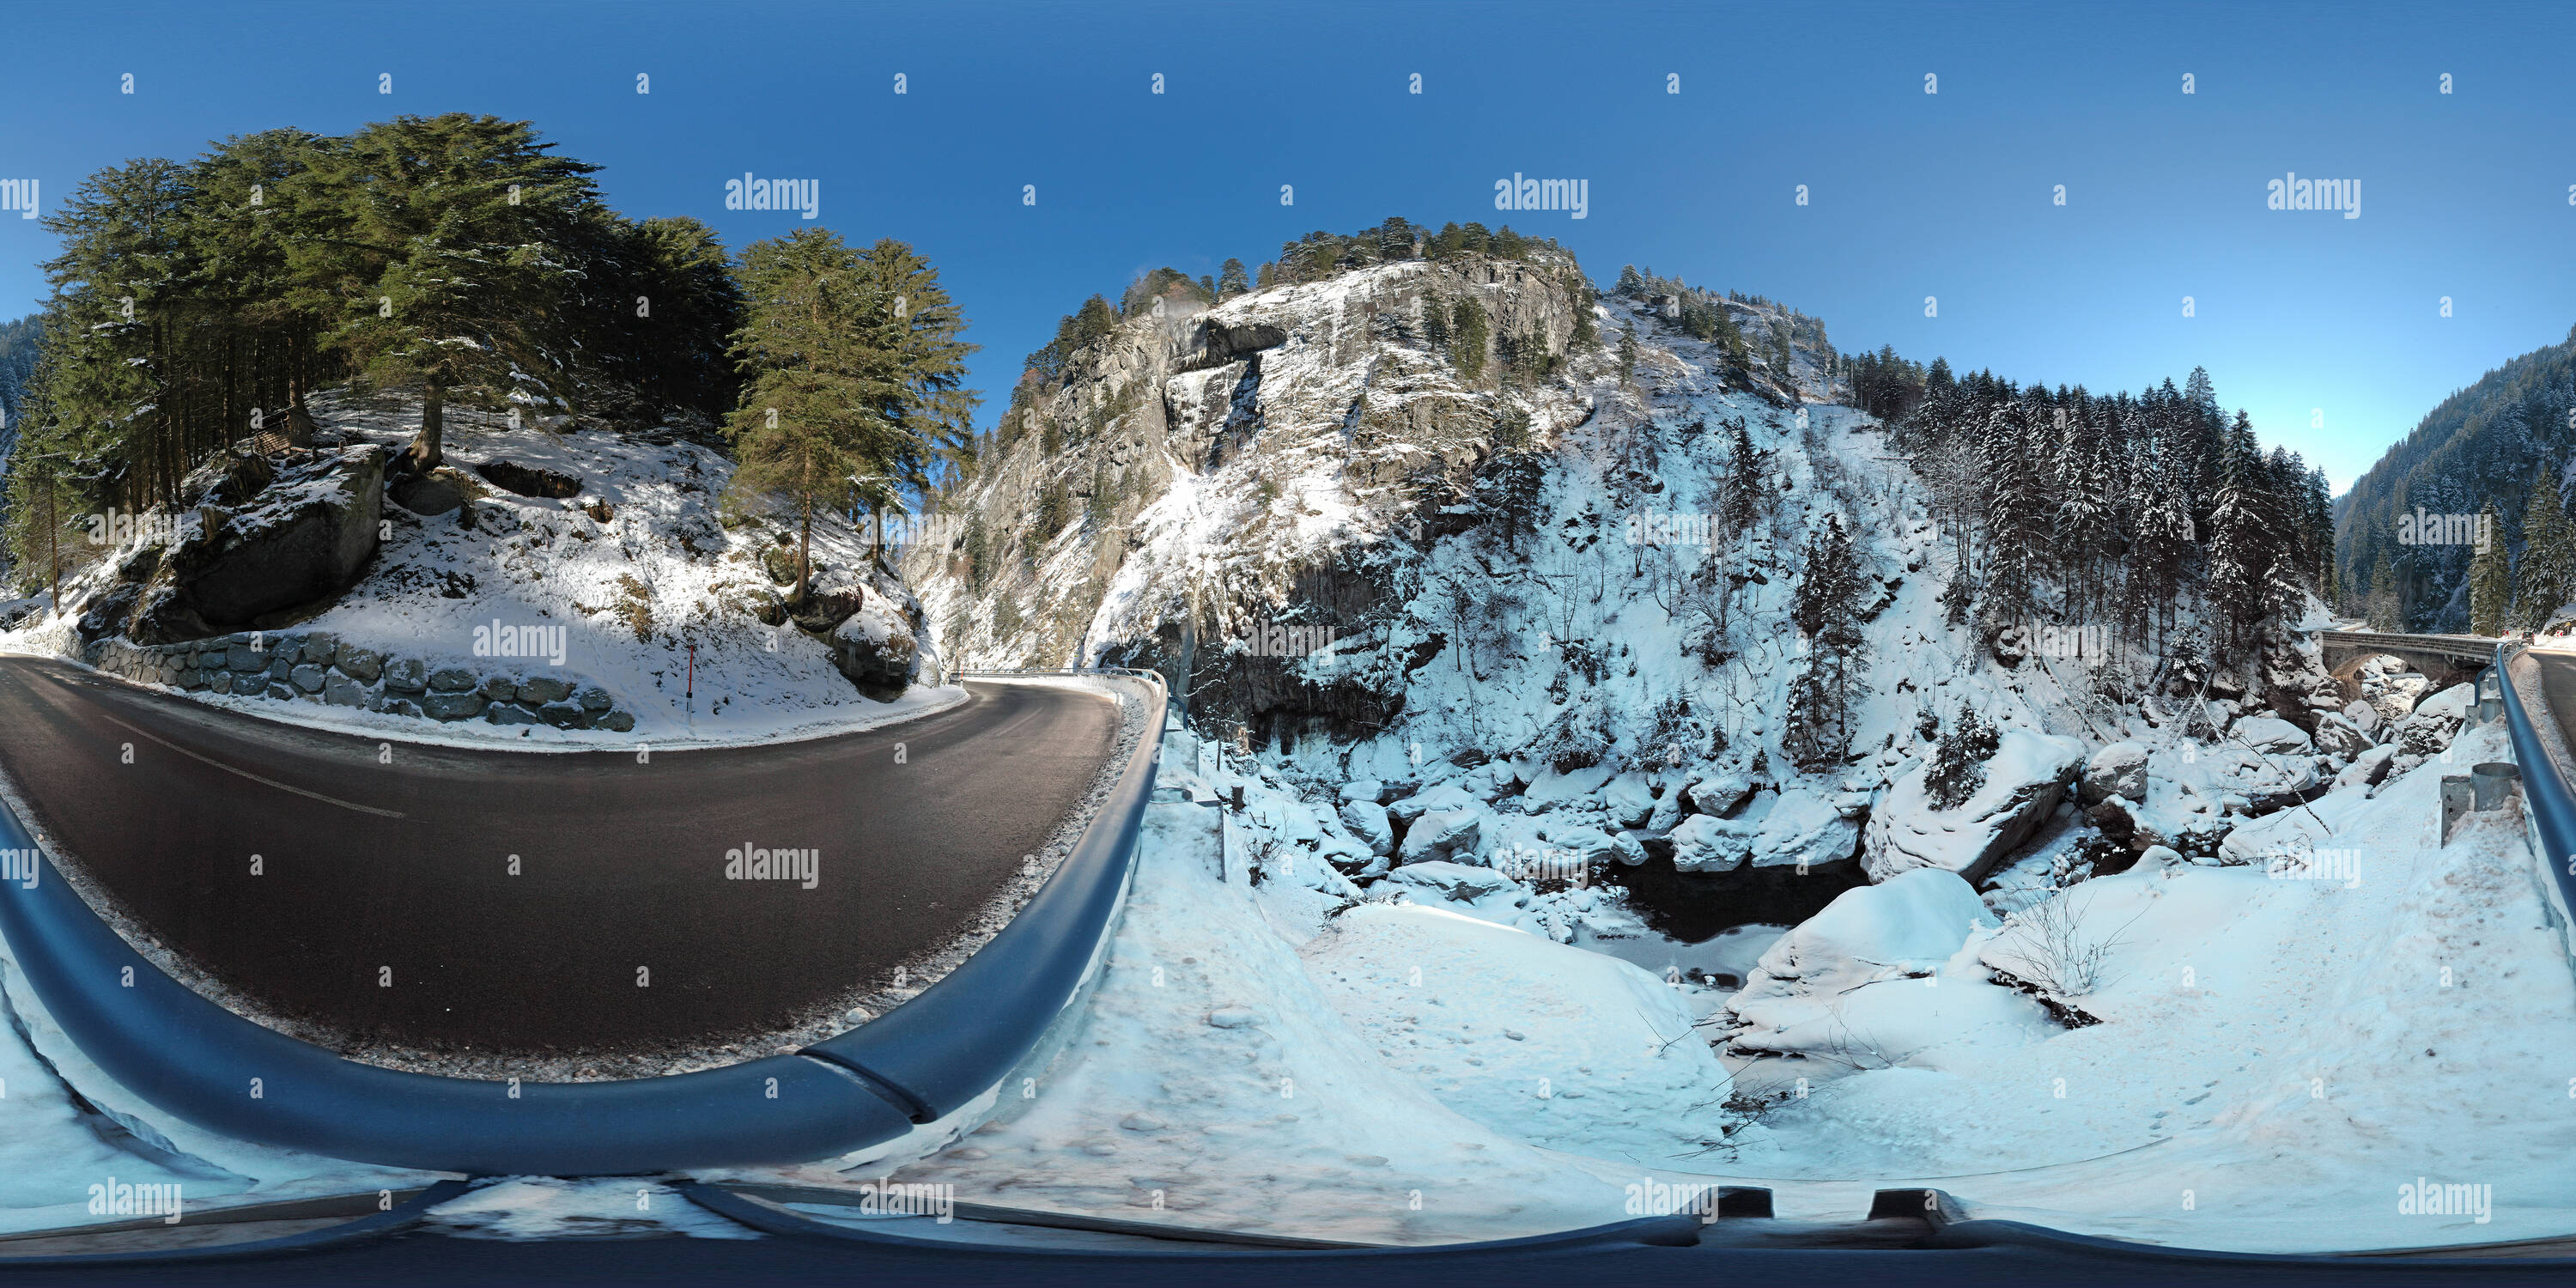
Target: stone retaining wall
[316, 666]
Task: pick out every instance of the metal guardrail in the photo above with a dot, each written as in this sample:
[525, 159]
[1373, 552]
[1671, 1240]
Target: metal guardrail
[941, 1051]
[2549, 799]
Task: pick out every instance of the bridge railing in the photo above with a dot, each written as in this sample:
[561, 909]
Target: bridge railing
[944, 1051]
[2548, 780]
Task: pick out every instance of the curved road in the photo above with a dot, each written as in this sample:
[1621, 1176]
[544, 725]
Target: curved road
[2558, 685]
[371, 872]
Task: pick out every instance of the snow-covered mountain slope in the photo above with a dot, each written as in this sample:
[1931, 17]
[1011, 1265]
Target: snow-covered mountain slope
[631, 585]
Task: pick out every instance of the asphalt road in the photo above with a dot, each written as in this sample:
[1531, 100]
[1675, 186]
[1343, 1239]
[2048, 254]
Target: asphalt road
[2558, 685]
[384, 903]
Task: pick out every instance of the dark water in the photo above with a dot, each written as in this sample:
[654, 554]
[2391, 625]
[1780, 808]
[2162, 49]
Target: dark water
[1696, 906]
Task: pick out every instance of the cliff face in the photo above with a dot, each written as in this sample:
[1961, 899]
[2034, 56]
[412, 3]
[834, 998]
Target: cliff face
[1224, 481]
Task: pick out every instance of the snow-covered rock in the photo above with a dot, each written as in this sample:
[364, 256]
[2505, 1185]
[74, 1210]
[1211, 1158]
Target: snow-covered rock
[1552, 788]
[1885, 975]
[1806, 830]
[1667, 812]
[1442, 834]
[1368, 790]
[1720, 795]
[2026, 778]
[1446, 796]
[2363, 716]
[2337, 736]
[2366, 769]
[1440, 880]
[2116, 770]
[2435, 721]
[1368, 821]
[1707, 843]
[1630, 799]
[2271, 733]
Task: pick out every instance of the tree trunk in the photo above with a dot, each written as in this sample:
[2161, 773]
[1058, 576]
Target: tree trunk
[427, 451]
[805, 540]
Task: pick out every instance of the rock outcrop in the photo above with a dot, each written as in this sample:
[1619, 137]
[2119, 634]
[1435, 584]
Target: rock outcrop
[2027, 777]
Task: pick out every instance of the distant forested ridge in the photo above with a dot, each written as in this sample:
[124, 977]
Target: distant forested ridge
[2482, 451]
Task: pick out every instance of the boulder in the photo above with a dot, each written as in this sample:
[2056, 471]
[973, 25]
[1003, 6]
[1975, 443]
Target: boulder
[1707, 843]
[1667, 811]
[2117, 770]
[615, 722]
[1720, 795]
[1442, 834]
[1804, 830]
[2435, 722]
[1590, 845]
[307, 677]
[2337, 736]
[452, 706]
[1630, 799]
[1446, 796]
[830, 598]
[2025, 779]
[509, 713]
[2363, 716]
[530, 480]
[1453, 882]
[1364, 789]
[341, 691]
[2366, 769]
[1367, 820]
[304, 537]
[538, 690]
[364, 665]
[2272, 734]
[878, 649]
[407, 674]
[454, 679]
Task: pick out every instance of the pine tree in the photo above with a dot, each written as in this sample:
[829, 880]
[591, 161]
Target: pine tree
[2383, 608]
[2491, 579]
[815, 345]
[1740, 502]
[2547, 576]
[1826, 610]
[1958, 767]
[1230, 281]
[1627, 352]
[1468, 336]
[465, 230]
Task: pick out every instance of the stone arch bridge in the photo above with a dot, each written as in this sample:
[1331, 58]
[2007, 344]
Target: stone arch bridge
[2446, 659]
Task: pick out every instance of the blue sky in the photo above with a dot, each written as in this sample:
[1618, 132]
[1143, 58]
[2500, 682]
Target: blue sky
[1950, 195]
